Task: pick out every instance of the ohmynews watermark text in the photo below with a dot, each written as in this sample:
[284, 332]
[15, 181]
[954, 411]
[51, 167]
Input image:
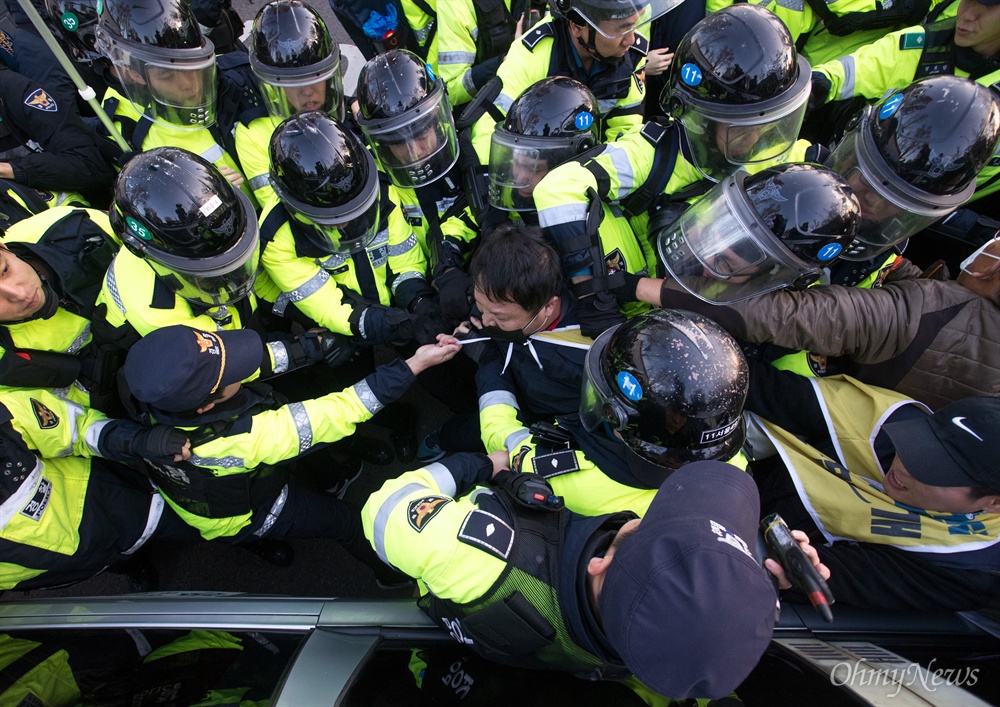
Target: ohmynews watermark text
[860, 674]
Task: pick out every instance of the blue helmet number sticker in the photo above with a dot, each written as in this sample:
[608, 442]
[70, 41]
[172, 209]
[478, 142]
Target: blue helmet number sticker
[629, 386]
[890, 106]
[583, 120]
[829, 251]
[691, 75]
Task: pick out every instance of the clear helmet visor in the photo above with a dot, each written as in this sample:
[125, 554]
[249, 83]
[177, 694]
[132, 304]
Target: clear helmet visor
[218, 280]
[720, 251]
[342, 234]
[418, 146]
[618, 18]
[595, 393]
[290, 91]
[518, 163]
[723, 137]
[891, 209]
[175, 87]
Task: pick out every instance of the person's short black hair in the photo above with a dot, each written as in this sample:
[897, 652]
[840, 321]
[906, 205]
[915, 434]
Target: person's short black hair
[515, 263]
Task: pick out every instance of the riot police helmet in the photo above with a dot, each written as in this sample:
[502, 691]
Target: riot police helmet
[165, 65]
[551, 122]
[77, 20]
[198, 232]
[739, 88]
[327, 181]
[913, 158]
[672, 384]
[406, 118]
[612, 18]
[296, 60]
[752, 234]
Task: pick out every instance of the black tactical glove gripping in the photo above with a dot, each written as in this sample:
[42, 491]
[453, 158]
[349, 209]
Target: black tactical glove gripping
[455, 295]
[376, 324]
[327, 346]
[427, 320]
[123, 440]
[598, 312]
[626, 292]
[820, 93]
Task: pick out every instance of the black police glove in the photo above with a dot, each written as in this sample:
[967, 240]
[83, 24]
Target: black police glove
[626, 292]
[528, 490]
[820, 93]
[598, 312]
[327, 346]
[454, 288]
[376, 324]
[124, 440]
[427, 320]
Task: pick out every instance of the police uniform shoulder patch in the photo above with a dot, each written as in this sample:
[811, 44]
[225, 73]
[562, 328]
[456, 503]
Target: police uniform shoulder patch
[556, 463]
[615, 262]
[912, 40]
[487, 532]
[537, 33]
[641, 44]
[518, 459]
[40, 100]
[46, 418]
[421, 511]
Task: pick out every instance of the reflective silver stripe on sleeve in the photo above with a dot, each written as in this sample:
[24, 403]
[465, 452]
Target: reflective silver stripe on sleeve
[279, 352]
[794, 5]
[515, 438]
[850, 77]
[309, 287]
[456, 58]
[606, 105]
[404, 247]
[467, 83]
[403, 277]
[213, 153]
[112, 284]
[260, 181]
[503, 102]
[221, 462]
[156, 504]
[497, 397]
[475, 34]
[273, 513]
[333, 262]
[79, 341]
[73, 411]
[566, 213]
[24, 493]
[442, 477]
[382, 517]
[301, 417]
[93, 434]
[623, 168]
[368, 399]
[422, 34]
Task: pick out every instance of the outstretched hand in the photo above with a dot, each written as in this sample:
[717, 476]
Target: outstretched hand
[428, 355]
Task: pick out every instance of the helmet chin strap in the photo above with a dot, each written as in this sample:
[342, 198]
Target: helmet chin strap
[591, 47]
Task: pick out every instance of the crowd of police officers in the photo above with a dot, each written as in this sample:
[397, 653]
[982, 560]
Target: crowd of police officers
[771, 285]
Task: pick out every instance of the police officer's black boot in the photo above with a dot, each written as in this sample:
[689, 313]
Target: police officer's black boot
[278, 552]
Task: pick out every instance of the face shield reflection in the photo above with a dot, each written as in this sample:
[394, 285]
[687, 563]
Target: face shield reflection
[625, 16]
[343, 237]
[290, 91]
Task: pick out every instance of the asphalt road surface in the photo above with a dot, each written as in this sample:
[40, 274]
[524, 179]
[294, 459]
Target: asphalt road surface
[321, 568]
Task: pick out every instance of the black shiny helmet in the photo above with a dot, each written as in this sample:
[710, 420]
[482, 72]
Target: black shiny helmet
[553, 121]
[296, 60]
[672, 383]
[165, 65]
[406, 118]
[197, 231]
[752, 234]
[739, 88]
[327, 181]
[914, 157]
[77, 20]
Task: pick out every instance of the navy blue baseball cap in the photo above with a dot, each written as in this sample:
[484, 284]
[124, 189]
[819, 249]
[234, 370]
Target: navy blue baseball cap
[684, 603]
[959, 445]
[176, 368]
